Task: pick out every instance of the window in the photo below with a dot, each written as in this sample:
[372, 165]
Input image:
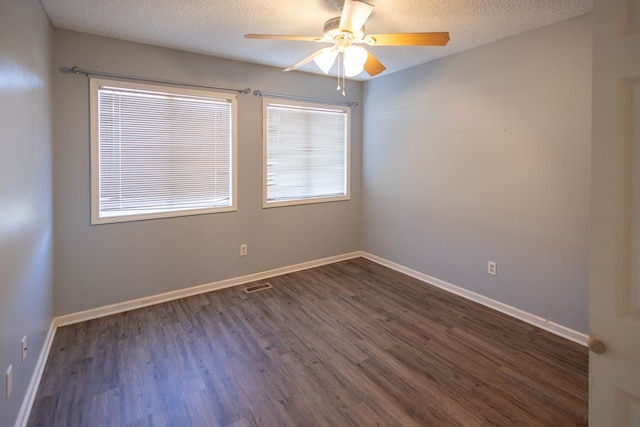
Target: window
[160, 151]
[306, 151]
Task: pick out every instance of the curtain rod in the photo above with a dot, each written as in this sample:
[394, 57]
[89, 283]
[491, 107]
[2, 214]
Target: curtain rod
[77, 70]
[302, 98]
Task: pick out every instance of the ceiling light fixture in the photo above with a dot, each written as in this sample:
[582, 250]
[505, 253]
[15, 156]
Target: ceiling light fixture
[326, 59]
[347, 31]
[354, 59]
[350, 59]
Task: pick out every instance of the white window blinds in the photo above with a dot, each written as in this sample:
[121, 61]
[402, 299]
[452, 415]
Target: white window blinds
[306, 153]
[160, 152]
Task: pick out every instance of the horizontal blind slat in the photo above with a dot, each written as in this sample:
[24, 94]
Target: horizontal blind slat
[306, 153]
[162, 151]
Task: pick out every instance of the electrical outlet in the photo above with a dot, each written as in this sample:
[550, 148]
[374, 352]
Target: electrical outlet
[9, 381]
[243, 249]
[24, 348]
[492, 268]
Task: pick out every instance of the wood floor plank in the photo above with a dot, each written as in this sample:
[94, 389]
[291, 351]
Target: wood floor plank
[347, 344]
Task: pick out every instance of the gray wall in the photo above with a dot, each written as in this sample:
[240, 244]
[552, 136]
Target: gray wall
[25, 193]
[476, 157]
[482, 156]
[104, 264]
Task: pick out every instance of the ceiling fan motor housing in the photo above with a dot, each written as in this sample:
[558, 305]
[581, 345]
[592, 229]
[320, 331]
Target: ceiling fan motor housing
[331, 30]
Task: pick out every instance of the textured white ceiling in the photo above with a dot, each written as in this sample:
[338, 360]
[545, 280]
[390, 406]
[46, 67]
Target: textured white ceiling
[217, 27]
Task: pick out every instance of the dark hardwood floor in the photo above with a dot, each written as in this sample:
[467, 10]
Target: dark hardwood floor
[348, 344]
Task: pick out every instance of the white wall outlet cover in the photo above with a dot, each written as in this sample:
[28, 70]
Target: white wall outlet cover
[492, 268]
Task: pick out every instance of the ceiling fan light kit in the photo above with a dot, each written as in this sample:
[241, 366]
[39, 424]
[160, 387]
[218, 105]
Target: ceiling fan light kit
[325, 60]
[354, 59]
[346, 32]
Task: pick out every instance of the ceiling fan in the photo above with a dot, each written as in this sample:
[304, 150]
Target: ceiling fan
[346, 33]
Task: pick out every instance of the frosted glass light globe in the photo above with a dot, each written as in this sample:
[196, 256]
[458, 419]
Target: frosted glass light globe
[326, 59]
[354, 60]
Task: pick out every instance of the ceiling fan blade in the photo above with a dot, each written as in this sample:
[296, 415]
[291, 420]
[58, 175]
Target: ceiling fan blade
[354, 14]
[284, 37]
[410, 39]
[372, 66]
[304, 61]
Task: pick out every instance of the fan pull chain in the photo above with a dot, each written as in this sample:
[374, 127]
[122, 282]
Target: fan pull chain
[339, 70]
[344, 83]
[341, 74]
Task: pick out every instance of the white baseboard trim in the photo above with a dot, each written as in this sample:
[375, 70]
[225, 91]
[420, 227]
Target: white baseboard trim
[29, 398]
[27, 403]
[532, 319]
[25, 410]
[120, 307]
[547, 325]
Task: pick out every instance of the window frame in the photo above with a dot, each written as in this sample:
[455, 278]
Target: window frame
[94, 86]
[309, 105]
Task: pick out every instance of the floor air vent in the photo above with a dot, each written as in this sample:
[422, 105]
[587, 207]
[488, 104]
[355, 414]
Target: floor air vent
[258, 288]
